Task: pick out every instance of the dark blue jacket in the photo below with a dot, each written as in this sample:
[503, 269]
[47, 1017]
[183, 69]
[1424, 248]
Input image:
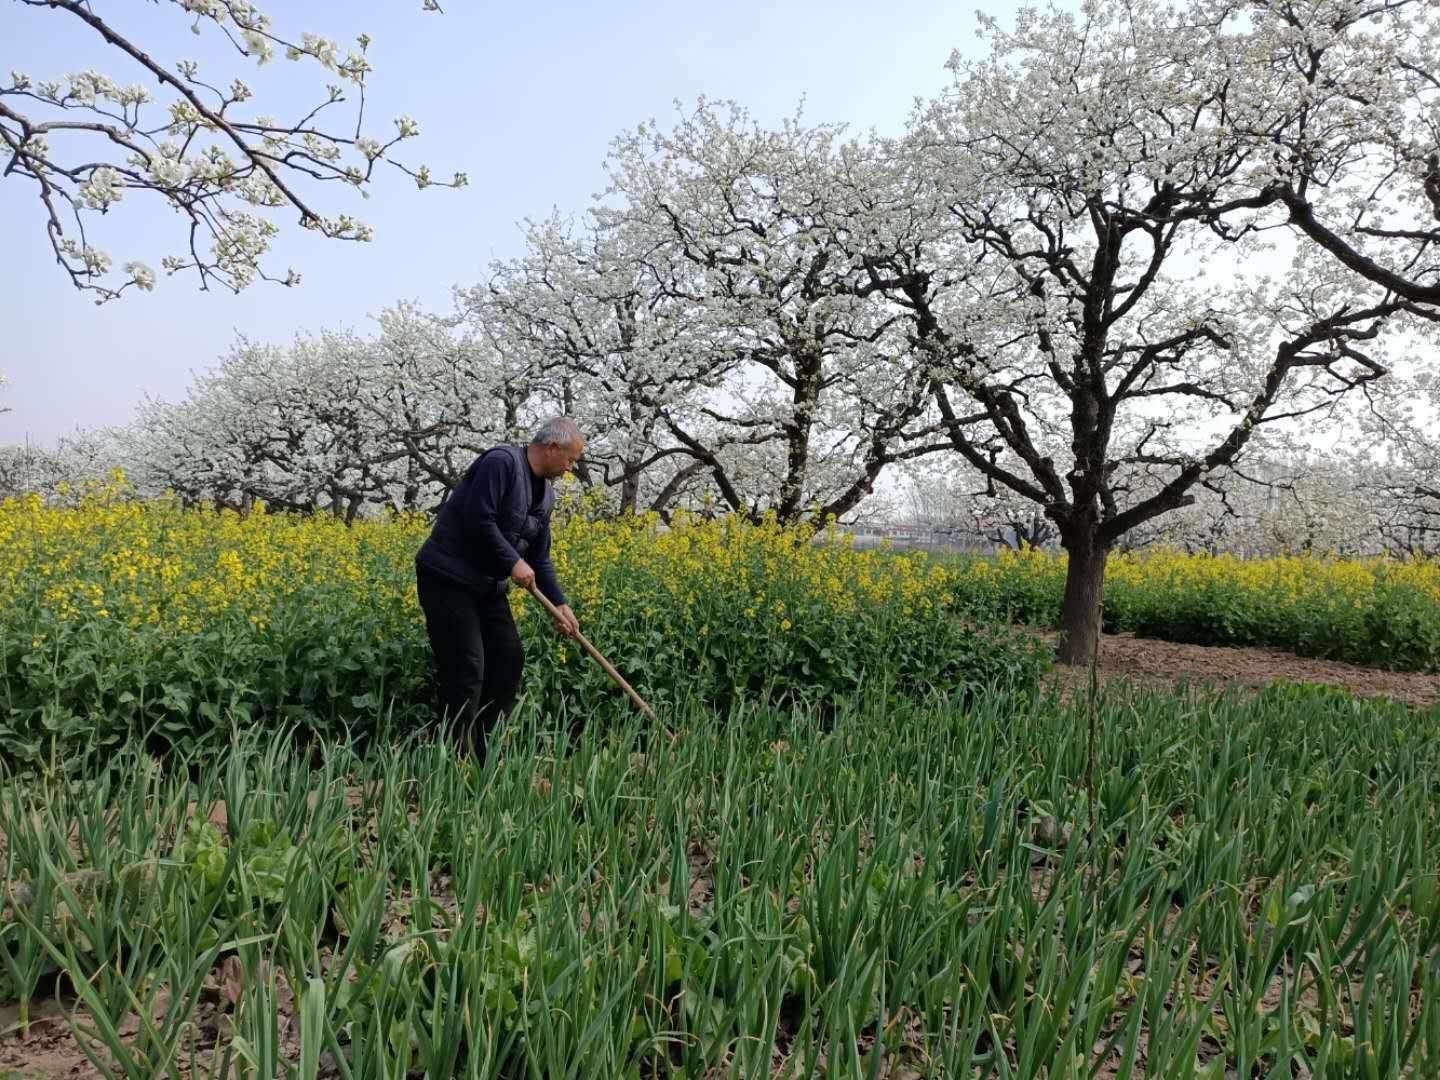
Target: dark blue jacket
[490, 521]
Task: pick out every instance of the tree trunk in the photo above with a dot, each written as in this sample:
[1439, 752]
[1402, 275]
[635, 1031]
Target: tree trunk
[1084, 591]
[630, 488]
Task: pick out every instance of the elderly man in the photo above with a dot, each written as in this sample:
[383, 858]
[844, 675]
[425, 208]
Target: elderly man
[493, 530]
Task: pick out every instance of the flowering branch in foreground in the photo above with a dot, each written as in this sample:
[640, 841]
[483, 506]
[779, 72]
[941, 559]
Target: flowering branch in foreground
[87, 142]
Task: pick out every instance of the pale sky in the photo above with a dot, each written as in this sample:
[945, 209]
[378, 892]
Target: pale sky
[523, 97]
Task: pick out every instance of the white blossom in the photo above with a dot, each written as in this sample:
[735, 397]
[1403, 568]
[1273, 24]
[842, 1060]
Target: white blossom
[141, 275]
[105, 186]
[259, 46]
[321, 48]
[36, 144]
[168, 170]
[94, 260]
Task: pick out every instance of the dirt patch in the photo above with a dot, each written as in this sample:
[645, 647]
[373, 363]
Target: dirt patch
[48, 1051]
[1146, 661]
[51, 1050]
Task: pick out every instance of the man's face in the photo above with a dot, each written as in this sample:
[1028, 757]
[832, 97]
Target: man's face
[558, 460]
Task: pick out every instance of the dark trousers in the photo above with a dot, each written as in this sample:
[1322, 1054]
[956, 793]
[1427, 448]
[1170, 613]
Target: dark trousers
[477, 654]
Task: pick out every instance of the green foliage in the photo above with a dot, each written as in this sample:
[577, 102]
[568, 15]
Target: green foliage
[1378, 612]
[928, 887]
[184, 625]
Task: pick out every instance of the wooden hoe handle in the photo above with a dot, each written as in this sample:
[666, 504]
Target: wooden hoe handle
[609, 668]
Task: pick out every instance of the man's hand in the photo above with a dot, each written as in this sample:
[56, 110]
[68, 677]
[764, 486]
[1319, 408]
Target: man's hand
[567, 623]
[522, 574]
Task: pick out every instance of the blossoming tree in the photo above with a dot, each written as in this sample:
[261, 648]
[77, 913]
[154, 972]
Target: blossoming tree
[437, 391]
[1121, 290]
[585, 319]
[80, 461]
[758, 354]
[199, 142]
[1406, 483]
[335, 421]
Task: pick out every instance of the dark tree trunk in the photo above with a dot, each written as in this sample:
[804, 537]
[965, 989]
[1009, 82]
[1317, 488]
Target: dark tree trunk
[1084, 591]
[630, 488]
[808, 366]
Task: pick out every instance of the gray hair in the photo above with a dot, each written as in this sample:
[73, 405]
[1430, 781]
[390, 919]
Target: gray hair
[558, 431]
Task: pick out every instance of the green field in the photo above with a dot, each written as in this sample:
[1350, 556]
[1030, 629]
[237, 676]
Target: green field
[863, 840]
[905, 888]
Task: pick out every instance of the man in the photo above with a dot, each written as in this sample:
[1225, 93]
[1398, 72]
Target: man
[493, 531]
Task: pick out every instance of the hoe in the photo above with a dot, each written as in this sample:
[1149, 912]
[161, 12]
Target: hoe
[609, 668]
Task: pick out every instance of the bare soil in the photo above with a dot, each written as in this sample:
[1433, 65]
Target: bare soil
[1148, 662]
[49, 1051]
